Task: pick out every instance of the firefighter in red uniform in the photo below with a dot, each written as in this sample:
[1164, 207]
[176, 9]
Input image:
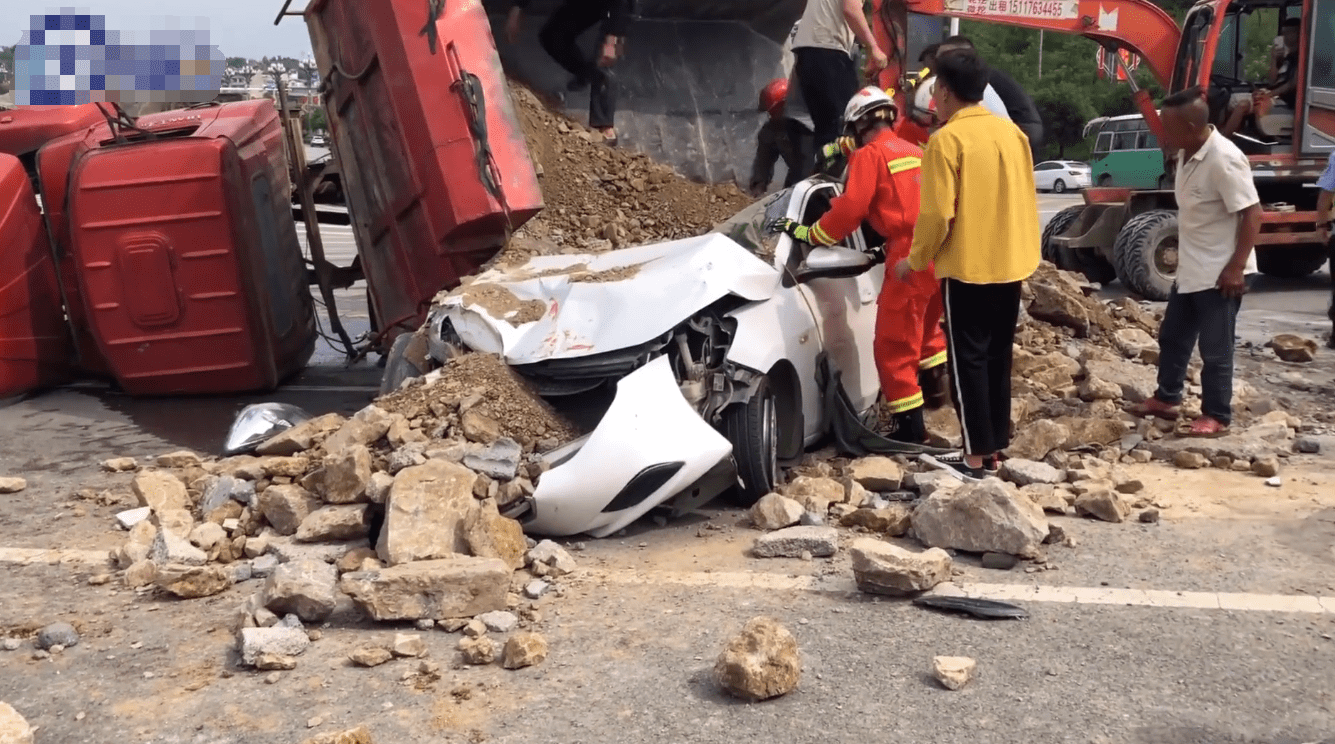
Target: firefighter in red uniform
[883, 189]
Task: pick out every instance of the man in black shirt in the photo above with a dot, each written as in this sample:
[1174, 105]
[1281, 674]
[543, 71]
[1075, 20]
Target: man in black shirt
[1018, 103]
[558, 37]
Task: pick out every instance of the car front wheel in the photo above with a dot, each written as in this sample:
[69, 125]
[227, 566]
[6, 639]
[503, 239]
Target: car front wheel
[752, 427]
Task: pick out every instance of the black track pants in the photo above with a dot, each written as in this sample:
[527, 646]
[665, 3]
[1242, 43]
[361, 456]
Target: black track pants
[980, 329]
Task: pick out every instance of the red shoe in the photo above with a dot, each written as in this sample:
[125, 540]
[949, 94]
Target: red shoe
[1205, 427]
[1154, 407]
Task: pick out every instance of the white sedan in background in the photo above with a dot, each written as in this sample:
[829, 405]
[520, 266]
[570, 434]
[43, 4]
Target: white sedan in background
[1060, 176]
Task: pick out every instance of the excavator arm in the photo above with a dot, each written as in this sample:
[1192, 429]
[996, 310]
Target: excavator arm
[1138, 26]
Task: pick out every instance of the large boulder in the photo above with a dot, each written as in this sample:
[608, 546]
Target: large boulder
[774, 512]
[427, 512]
[193, 582]
[300, 437]
[343, 476]
[1034, 441]
[459, 586]
[160, 491]
[346, 522]
[305, 588]
[491, 535]
[287, 506]
[13, 728]
[985, 517]
[876, 473]
[882, 568]
[760, 662]
[815, 494]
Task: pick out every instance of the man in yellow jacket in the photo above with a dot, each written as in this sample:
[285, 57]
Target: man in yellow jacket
[978, 224]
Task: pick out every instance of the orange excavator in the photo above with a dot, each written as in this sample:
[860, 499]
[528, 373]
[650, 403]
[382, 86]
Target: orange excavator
[1131, 235]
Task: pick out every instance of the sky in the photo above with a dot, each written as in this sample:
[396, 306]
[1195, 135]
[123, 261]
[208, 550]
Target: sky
[239, 28]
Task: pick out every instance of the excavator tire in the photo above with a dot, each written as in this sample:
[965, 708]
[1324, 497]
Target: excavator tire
[1291, 262]
[1086, 262]
[1145, 254]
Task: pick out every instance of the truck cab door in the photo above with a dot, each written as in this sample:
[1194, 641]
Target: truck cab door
[1316, 99]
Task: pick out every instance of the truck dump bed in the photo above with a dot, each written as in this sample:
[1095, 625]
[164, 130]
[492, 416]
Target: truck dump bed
[35, 345]
[433, 159]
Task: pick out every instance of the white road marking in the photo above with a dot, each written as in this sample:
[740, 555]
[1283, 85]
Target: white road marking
[1240, 601]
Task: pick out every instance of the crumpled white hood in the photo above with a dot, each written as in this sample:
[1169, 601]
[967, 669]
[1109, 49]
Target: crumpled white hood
[556, 307]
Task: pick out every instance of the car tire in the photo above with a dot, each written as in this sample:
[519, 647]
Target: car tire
[1059, 186]
[752, 427]
[1145, 254]
[1291, 262]
[1056, 226]
[401, 364]
[1084, 261]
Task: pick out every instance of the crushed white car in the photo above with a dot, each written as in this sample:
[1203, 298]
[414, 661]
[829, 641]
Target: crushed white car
[700, 364]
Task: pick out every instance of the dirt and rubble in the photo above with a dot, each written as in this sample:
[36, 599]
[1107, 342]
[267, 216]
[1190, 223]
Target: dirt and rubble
[599, 197]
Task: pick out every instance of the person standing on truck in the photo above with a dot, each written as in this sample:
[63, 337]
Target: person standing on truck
[781, 136]
[883, 189]
[979, 226]
[823, 51]
[559, 36]
[1019, 105]
[1218, 217]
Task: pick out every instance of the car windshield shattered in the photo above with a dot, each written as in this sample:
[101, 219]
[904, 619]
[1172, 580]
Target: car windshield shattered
[747, 227]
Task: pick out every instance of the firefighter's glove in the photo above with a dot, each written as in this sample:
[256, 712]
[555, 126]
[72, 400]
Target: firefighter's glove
[793, 228]
[843, 146]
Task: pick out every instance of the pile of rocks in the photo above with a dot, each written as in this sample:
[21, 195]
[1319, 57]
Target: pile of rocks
[1003, 518]
[370, 509]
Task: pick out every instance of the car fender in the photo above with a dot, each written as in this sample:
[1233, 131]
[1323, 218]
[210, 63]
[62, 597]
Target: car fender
[783, 328]
[649, 446]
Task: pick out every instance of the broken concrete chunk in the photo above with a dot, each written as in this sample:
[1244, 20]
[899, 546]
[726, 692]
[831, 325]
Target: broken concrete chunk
[460, 586]
[499, 621]
[286, 506]
[348, 522]
[1293, 348]
[499, 461]
[365, 427]
[792, 542]
[278, 640]
[774, 512]
[524, 649]
[1104, 504]
[171, 548]
[224, 489]
[377, 490]
[1027, 472]
[304, 588]
[160, 491]
[953, 672]
[131, 517]
[343, 476]
[408, 645]
[477, 651]
[760, 662]
[404, 457]
[815, 494]
[12, 485]
[181, 459]
[14, 729]
[876, 473]
[275, 663]
[300, 437]
[1266, 467]
[1190, 460]
[981, 517]
[553, 558]
[490, 535]
[892, 520]
[1034, 441]
[882, 568]
[426, 513]
[359, 559]
[120, 464]
[207, 535]
[193, 582]
[536, 588]
[1046, 497]
[140, 573]
[478, 427]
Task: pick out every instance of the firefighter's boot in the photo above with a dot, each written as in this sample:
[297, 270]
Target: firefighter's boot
[908, 427]
[935, 384]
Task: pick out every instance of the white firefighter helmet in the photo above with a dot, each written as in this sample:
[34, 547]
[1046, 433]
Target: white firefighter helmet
[922, 97]
[867, 100]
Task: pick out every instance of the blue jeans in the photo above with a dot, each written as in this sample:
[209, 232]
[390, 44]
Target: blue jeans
[1211, 319]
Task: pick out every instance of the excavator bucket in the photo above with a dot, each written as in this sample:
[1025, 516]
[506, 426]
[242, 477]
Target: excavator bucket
[688, 86]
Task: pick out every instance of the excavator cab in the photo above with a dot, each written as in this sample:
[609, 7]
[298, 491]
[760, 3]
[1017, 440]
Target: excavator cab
[1227, 48]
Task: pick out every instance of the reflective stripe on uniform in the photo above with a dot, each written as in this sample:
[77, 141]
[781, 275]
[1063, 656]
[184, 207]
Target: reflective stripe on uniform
[899, 165]
[820, 235]
[906, 404]
[934, 360]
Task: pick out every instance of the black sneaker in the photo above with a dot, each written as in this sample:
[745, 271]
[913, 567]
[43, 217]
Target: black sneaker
[954, 465]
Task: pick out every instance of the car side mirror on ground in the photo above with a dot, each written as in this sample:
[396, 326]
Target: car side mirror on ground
[831, 263]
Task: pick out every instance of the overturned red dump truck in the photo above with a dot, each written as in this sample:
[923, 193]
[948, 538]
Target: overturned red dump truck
[180, 268]
[434, 163]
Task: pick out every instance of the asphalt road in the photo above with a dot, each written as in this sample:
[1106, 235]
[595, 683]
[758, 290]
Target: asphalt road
[1197, 630]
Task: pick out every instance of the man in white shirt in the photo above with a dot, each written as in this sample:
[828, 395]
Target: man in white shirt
[1324, 201]
[824, 45]
[1219, 217]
